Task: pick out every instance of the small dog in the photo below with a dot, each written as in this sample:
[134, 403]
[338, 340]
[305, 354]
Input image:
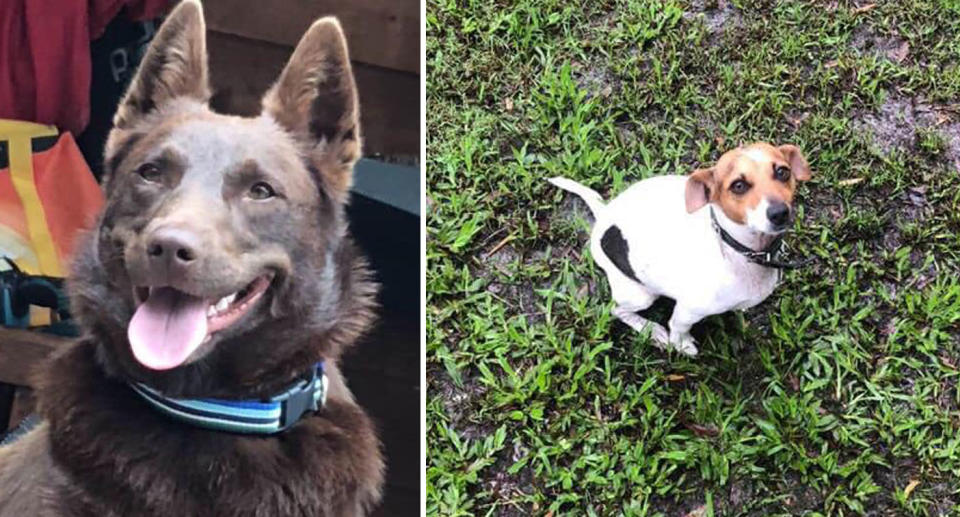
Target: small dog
[708, 240]
[216, 295]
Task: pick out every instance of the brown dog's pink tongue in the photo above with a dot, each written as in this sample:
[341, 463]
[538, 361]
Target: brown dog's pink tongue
[167, 328]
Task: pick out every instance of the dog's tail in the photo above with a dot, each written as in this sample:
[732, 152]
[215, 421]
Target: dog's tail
[590, 196]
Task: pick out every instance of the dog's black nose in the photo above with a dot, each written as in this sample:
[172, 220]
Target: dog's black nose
[173, 249]
[778, 213]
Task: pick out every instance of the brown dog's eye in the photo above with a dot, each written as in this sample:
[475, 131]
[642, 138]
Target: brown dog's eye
[261, 190]
[149, 172]
[739, 187]
[781, 173]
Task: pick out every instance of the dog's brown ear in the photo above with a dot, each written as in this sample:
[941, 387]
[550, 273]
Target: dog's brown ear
[315, 99]
[700, 189]
[798, 164]
[174, 66]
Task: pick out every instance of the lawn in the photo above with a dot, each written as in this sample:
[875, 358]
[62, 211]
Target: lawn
[837, 396]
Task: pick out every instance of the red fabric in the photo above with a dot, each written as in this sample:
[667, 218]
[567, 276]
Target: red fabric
[45, 56]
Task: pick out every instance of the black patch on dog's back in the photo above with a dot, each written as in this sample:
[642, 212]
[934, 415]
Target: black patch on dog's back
[615, 247]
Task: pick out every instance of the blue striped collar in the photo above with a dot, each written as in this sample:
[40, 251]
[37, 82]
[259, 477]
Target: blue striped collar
[266, 416]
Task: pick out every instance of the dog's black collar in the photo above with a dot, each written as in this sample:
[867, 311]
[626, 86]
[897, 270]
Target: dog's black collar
[767, 257]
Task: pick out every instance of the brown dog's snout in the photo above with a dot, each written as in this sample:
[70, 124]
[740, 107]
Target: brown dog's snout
[778, 213]
[172, 251]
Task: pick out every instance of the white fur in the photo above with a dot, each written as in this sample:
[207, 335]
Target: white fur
[757, 218]
[756, 155]
[676, 254]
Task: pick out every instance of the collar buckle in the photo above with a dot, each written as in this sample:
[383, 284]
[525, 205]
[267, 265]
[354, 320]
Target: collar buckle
[301, 400]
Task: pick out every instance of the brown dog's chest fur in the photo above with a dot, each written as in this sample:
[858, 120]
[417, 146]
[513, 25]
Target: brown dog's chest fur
[119, 457]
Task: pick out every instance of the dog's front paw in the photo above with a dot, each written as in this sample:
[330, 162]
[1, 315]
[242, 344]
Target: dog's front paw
[686, 346]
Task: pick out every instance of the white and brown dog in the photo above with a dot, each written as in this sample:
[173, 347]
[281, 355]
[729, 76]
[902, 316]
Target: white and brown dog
[708, 240]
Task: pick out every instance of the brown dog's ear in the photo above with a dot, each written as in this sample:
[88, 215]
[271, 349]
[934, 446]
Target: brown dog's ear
[174, 66]
[700, 189]
[316, 100]
[798, 164]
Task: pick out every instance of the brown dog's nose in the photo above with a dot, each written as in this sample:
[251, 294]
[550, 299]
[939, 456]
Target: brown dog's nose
[173, 249]
[778, 213]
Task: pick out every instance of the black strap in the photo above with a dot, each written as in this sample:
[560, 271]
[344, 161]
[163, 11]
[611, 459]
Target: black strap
[38, 144]
[767, 257]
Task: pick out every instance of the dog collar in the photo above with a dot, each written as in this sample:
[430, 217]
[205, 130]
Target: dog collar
[766, 257]
[266, 416]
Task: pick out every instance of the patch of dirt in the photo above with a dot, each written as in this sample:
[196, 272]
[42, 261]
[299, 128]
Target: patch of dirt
[457, 402]
[510, 487]
[895, 126]
[627, 135]
[571, 212]
[901, 471]
[684, 505]
[604, 22]
[496, 269]
[503, 257]
[864, 41]
[946, 401]
[951, 135]
[718, 16]
[805, 498]
[597, 80]
[944, 499]
[741, 493]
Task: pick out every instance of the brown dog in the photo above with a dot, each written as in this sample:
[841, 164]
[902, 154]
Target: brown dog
[220, 269]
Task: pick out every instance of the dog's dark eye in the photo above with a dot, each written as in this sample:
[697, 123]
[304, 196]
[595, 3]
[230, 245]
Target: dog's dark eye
[261, 190]
[739, 187]
[781, 173]
[149, 172]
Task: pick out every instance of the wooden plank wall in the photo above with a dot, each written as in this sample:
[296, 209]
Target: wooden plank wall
[384, 33]
[250, 41]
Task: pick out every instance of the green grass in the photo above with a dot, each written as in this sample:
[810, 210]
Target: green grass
[837, 396]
